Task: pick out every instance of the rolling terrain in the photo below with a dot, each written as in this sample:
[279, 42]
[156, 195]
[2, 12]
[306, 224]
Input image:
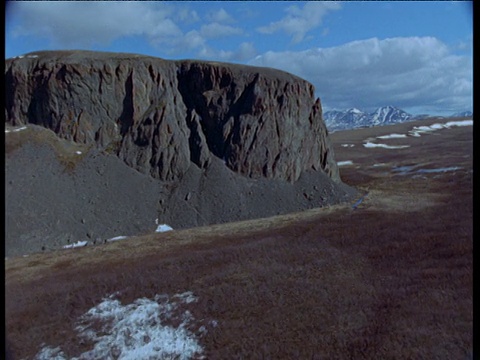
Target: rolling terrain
[387, 276]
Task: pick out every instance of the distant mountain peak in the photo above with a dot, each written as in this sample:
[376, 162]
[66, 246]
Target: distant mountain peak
[462, 114]
[355, 111]
[355, 118]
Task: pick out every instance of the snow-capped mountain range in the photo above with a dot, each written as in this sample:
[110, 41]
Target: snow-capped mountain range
[463, 114]
[354, 118]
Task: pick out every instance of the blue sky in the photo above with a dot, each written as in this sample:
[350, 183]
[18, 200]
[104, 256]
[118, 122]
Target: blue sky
[414, 55]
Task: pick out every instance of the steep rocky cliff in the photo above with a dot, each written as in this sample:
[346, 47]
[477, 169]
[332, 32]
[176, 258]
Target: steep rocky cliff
[101, 144]
[161, 116]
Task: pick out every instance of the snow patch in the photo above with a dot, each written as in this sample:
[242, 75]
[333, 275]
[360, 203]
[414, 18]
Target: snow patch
[409, 169]
[77, 244]
[48, 353]
[438, 170]
[403, 169]
[392, 136]
[16, 129]
[78, 152]
[418, 130]
[163, 228]
[385, 146]
[437, 126]
[116, 238]
[460, 123]
[348, 145]
[32, 56]
[343, 163]
[142, 330]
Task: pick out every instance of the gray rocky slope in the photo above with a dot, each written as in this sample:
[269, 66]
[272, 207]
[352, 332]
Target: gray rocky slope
[187, 142]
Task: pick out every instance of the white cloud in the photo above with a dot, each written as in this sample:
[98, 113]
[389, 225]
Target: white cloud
[86, 24]
[191, 41]
[299, 21]
[216, 29]
[412, 72]
[220, 16]
[245, 51]
[69, 23]
[186, 15]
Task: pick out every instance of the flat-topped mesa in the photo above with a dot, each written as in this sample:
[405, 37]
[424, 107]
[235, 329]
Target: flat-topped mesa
[159, 116]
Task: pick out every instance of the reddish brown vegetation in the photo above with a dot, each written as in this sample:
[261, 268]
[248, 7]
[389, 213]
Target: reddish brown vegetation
[390, 280]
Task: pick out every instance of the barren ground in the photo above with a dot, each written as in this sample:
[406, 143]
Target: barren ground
[390, 279]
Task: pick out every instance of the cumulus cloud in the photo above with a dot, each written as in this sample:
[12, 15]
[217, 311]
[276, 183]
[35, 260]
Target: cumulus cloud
[216, 29]
[71, 23]
[186, 15]
[190, 41]
[220, 16]
[299, 21]
[416, 73]
[245, 51]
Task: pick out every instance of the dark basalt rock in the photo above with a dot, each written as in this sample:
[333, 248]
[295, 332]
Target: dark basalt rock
[210, 142]
[159, 116]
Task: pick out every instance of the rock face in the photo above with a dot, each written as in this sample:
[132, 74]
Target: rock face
[160, 117]
[99, 145]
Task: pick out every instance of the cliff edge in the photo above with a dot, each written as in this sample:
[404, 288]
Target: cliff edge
[102, 144]
[158, 116]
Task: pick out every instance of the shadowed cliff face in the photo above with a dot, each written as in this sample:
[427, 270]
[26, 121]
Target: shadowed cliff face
[161, 116]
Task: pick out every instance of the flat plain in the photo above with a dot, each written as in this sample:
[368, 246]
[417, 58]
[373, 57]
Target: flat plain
[387, 277]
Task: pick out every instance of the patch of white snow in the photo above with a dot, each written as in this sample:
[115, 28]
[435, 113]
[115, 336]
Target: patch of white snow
[16, 129]
[438, 170]
[348, 145]
[402, 170]
[385, 146]
[343, 163]
[77, 244]
[411, 169]
[418, 130]
[48, 353]
[116, 238]
[392, 136]
[141, 330]
[460, 123]
[437, 126]
[163, 228]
